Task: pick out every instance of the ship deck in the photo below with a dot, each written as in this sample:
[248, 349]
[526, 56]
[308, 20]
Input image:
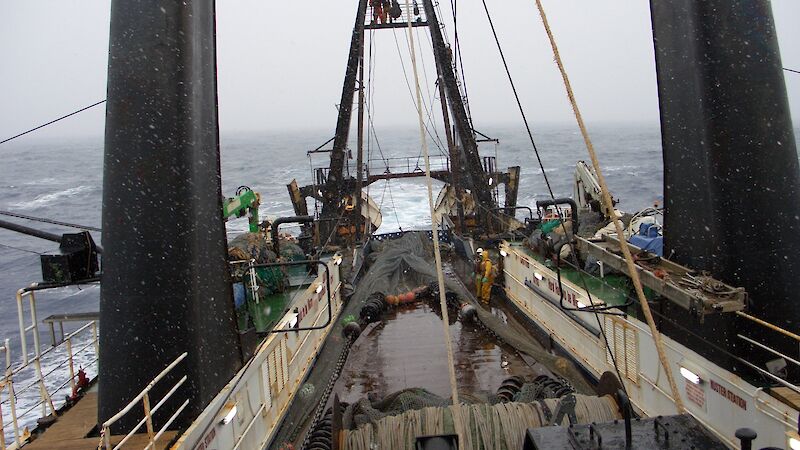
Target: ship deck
[71, 429]
[406, 350]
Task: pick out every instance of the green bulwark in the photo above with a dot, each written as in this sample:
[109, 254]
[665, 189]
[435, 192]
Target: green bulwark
[612, 289]
[278, 289]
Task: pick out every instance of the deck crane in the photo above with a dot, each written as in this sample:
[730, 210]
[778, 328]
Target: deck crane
[245, 203]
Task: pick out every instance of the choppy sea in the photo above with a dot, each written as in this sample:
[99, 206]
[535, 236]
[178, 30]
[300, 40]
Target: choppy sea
[62, 179]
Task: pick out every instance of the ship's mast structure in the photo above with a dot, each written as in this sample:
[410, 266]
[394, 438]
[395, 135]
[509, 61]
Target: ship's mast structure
[465, 170]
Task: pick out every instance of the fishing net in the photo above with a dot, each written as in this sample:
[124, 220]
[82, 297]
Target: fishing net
[396, 266]
[269, 280]
[500, 426]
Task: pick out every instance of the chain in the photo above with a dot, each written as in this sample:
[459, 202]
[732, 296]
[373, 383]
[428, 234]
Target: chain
[320, 411]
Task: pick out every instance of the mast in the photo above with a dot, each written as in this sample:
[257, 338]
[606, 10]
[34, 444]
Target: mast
[360, 156]
[731, 176]
[335, 183]
[455, 157]
[165, 285]
[475, 175]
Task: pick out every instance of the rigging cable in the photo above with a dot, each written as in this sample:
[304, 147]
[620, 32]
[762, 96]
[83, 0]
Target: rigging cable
[458, 63]
[394, 207]
[606, 197]
[430, 92]
[549, 187]
[437, 254]
[51, 221]
[410, 93]
[53, 121]
[785, 68]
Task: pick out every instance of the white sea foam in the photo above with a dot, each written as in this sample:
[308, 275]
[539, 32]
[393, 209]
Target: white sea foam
[51, 198]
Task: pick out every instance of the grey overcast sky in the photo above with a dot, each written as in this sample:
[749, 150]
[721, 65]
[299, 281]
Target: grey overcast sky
[281, 64]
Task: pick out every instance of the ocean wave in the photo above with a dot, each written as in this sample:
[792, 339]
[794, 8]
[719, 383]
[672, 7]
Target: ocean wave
[53, 197]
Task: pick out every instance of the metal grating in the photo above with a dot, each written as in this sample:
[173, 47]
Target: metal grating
[624, 340]
[284, 364]
[273, 369]
[265, 384]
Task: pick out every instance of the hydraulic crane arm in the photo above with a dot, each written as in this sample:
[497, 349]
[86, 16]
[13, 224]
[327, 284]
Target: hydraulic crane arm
[245, 203]
[587, 189]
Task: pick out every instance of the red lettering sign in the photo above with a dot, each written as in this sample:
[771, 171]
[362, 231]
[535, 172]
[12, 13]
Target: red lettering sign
[732, 397]
[203, 445]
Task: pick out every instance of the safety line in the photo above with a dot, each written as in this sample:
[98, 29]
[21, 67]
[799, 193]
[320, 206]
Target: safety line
[606, 197]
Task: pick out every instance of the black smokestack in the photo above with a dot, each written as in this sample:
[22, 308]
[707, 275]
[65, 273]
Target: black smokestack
[731, 178]
[165, 287]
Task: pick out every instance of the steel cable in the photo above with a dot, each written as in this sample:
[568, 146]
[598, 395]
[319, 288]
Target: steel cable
[547, 182]
[52, 121]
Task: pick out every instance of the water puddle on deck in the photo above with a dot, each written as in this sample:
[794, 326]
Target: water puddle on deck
[407, 350]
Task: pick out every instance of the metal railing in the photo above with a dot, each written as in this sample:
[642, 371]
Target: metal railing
[85, 336]
[761, 346]
[407, 13]
[147, 420]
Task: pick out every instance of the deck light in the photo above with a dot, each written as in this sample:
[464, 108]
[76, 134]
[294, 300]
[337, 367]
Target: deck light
[293, 320]
[490, 181]
[581, 305]
[479, 250]
[691, 376]
[230, 413]
[538, 276]
[503, 253]
[794, 440]
[318, 289]
[337, 261]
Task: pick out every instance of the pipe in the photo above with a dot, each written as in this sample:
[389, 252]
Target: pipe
[563, 201]
[280, 221]
[30, 231]
[505, 208]
[39, 233]
[327, 285]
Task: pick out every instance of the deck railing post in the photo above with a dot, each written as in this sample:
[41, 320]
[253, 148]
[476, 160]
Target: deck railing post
[71, 364]
[95, 339]
[34, 323]
[22, 334]
[106, 437]
[148, 417]
[12, 402]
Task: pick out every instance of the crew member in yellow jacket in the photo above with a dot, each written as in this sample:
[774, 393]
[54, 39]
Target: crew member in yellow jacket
[488, 273]
[478, 273]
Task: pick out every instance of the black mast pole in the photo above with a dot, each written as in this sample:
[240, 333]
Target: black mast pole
[731, 177]
[335, 183]
[476, 178]
[165, 287]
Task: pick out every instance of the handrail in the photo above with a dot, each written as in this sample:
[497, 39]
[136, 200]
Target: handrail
[152, 411]
[34, 361]
[773, 351]
[327, 285]
[144, 397]
[769, 325]
[144, 391]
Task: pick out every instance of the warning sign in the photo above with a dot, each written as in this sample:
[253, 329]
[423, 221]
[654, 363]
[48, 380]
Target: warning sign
[696, 395]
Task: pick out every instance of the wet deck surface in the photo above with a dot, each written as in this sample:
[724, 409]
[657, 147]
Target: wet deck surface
[407, 350]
